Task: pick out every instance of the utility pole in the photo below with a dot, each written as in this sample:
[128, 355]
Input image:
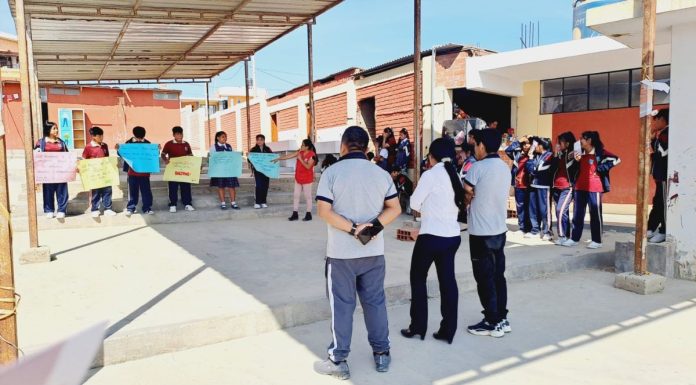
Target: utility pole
[207, 114]
[647, 73]
[8, 319]
[248, 107]
[417, 90]
[310, 64]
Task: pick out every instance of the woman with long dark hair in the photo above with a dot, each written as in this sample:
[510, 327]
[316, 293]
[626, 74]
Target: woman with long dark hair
[439, 198]
[53, 192]
[592, 181]
[563, 179]
[304, 177]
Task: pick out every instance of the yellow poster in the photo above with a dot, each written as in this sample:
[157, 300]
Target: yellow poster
[98, 173]
[185, 169]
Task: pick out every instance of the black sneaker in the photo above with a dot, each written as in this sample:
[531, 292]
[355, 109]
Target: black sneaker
[382, 361]
[484, 328]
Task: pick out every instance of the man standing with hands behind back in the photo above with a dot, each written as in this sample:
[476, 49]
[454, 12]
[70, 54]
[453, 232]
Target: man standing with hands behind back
[354, 194]
[486, 185]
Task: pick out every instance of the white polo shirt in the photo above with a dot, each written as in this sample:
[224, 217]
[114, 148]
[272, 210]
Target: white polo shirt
[434, 199]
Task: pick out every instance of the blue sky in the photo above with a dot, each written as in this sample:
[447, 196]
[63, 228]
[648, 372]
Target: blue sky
[365, 33]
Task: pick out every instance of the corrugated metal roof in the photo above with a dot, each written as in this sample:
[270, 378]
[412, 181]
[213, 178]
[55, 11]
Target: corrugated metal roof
[86, 40]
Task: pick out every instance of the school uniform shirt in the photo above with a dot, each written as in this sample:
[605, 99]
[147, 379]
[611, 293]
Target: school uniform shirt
[53, 147]
[522, 175]
[588, 178]
[561, 178]
[490, 179]
[304, 175]
[95, 150]
[434, 199]
[129, 169]
[176, 149]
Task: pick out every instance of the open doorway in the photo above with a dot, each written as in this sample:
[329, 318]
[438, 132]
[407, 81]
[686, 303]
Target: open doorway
[367, 116]
[274, 127]
[488, 107]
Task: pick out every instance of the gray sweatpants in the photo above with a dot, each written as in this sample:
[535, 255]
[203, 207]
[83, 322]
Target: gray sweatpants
[345, 277]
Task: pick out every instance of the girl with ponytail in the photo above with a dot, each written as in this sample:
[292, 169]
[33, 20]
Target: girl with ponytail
[439, 198]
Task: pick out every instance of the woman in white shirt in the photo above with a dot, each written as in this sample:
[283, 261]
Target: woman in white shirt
[439, 197]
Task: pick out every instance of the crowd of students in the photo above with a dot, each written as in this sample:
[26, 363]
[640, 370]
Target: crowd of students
[544, 179]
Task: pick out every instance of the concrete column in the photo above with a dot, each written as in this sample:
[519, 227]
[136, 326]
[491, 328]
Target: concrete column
[681, 211]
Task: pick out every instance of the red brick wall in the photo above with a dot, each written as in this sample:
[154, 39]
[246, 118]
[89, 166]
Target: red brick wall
[331, 111]
[12, 117]
[210, 129]
[255, 125]
[393, 103]
[451, 69]
[288, 119]
[228, 124]
[618, 129]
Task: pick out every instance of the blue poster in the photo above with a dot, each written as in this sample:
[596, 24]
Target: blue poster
[225, 164]
[66, 127]
[262, 162]
[141, 157]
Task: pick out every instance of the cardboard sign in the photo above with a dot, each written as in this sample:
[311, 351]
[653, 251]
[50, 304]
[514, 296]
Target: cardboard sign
[98, 173]
[65, 363]
[262, 162]
[54, 167]
[225, 164]
[185, 169]
[141, 157]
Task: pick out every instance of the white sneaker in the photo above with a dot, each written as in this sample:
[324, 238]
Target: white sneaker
[96, 214]
[150, 212]
[530, 235]
[172, 209]
[657, 238]
[547, 237]
[650, 234]
[560, 241]
[49, 215]
[189, 208]
[594, 245]
[110, 213]
[60, 215]
[569, 243]
[264, 206]
[129, 213]
[257, 206]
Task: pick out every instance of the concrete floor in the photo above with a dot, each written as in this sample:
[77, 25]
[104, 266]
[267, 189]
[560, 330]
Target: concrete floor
[573, 328]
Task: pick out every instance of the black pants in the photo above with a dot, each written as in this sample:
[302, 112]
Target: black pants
[488, 262]
[657, 214]
[186, 198]
[441, 250]
[137, 186]
[262, 182]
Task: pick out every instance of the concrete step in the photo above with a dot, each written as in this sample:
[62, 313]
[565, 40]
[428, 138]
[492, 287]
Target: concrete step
[202, 214]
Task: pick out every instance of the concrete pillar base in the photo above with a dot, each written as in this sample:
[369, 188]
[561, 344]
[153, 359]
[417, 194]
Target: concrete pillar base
[39, 254]
[661, 257]
[640, 284]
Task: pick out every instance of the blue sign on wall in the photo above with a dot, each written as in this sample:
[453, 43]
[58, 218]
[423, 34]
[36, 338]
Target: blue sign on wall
[65, 125]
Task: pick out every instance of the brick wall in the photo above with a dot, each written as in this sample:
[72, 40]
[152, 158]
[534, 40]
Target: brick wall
[228, 124]
[331, 111]
[393, 103]
[451, 69]
[255, 127]
[287, 119]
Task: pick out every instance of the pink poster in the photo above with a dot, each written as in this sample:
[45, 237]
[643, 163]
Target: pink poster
[54, 167]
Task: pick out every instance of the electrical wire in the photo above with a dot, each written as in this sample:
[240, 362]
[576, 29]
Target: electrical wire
[279, 78]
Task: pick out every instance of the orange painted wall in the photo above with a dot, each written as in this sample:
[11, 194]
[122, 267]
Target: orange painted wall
[618, 129]
[393, 103]
[103, 108]
[332, 111]
[12, 117]
[288, 119]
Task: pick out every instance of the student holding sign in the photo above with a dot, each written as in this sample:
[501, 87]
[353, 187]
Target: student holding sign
[229, 183]
[98, 149]
[174, 149]
[51, 142]
[138, 182]
[262, 180]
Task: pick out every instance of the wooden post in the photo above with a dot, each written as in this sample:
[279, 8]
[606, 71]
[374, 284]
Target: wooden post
[310, 63]
[647, 73]
[248, 108]
[207, 114]
[417, 90]
[8, 324]
[27, 112]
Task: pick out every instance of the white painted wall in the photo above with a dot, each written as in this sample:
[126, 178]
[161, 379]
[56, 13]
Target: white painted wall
[681, 211]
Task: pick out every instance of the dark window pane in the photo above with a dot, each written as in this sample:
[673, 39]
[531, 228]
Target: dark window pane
[552, 87]
[662, 74]
[618, 89]
[635, 88]
[575, 85]
[575, 103]
[552, 105]
[599, 91]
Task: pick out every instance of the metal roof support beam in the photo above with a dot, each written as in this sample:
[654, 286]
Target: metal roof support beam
[119, 39]
[417, 89]
[310, 64]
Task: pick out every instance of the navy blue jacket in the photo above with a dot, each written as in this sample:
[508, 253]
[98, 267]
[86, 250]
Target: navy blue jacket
[514, 152]
[659, 156]
[540, 171]
[606, 161]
